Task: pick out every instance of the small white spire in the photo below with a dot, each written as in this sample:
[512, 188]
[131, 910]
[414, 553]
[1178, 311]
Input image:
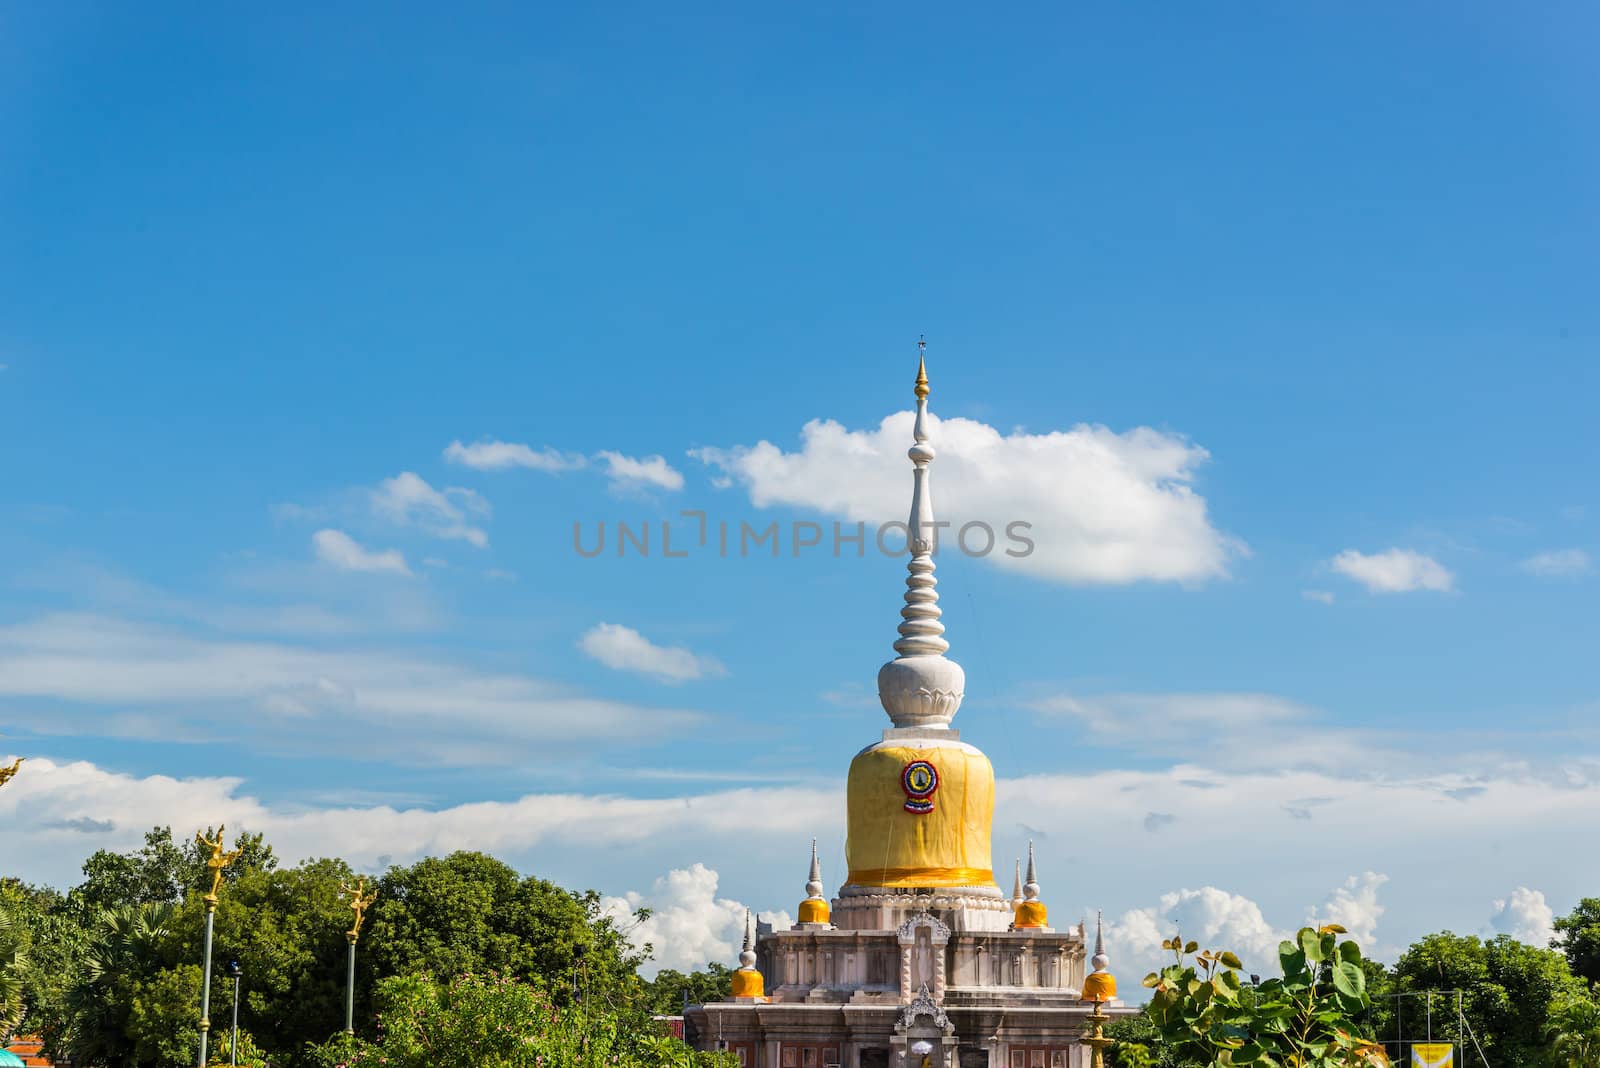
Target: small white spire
[920, 688]
[814, 883]
[1030, 889]
[747, 958]
[1016, 887]
[1100, 961]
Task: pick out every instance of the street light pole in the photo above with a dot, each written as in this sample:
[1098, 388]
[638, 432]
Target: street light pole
[216, 863]
[361, 899]
[233, 1042]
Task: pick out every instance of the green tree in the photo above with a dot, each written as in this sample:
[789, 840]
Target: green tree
[671, 990]
[56, 943]
[1138, 1044]
[1508, 989]
[1573, 1032]
[1206, 1014]
[124, 955]
[503, 1022]
[286, 928]
[151, 874]
[1578, 936]
[13, 965]
[469, 913]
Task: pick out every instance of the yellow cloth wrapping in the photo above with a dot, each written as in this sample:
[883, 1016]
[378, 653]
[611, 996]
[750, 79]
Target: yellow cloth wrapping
[1032, 914]
[812, 911]
[1100, 986]
[888, 846]
[748, 984]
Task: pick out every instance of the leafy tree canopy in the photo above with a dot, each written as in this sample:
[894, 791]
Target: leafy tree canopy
[1508, 990]
[1578, 936]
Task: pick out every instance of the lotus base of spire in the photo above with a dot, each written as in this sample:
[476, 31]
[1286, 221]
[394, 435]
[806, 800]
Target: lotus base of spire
[921, 691]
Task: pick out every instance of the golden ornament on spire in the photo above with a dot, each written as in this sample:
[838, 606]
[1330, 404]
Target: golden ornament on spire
[922, 389]
[7, 774]
[361, 899]
[217, 861]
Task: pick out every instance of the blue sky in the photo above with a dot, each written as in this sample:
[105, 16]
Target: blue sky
[1323, 279]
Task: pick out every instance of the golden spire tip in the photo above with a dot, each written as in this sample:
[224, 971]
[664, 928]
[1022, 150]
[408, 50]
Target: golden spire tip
[922, 389]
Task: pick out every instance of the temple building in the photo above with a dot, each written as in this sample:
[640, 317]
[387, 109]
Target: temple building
[920, 960]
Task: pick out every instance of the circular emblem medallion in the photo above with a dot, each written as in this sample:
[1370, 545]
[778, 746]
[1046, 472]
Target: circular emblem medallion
[920, 779]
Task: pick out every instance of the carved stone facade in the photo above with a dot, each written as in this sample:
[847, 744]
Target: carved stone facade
[980, 999]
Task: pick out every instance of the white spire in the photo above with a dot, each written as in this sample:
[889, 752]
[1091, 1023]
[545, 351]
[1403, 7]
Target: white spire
[747, 958]
[920, 688]
[814, 883]
[1099, 960]
[1016, 887]
[1030, 889]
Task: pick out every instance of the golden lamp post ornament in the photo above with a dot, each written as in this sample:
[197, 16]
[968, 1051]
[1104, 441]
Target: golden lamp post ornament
[1099, 987]
[7, 774]
[217, 862]
[360, 900]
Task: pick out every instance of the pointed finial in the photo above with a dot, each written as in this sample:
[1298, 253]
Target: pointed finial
[1016, 888]
[922, 389]
[814, 909]
[747, 982]
[920, 687]
[747, 956]
[1099, 985]
[1030, 889]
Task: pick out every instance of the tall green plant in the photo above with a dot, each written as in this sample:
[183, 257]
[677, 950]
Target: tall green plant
[1207, 1015]
[1574, 1033]
[13, 965]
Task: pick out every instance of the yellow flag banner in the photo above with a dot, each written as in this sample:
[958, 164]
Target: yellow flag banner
[1433, 1055]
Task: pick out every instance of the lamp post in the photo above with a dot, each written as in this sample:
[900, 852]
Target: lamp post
[360, 900]
[215, 863]
[236, 973]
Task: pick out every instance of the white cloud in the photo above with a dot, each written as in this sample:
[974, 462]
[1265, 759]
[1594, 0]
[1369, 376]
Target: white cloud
[1103, 507]
[1559, 563]
[624, 472]
[136, 680]
[407, 500]
[498, 455]
[1227, 730]
[1256, 868]
[45, 809]
[1354, 906]
[1222, 919]
[336, 548]
[1525, 916]
[1394, 571]
[625, 649]
[689, 924]
[1215, 918]
[1320, 596]
[628, 472]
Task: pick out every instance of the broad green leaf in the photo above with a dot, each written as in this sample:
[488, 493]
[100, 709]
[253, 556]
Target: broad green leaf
[1191, 947]
[1311, 945]
[1351, 952]
[1249, 1053]
[1152, 979]
[1292, 958]
[1231, 960]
